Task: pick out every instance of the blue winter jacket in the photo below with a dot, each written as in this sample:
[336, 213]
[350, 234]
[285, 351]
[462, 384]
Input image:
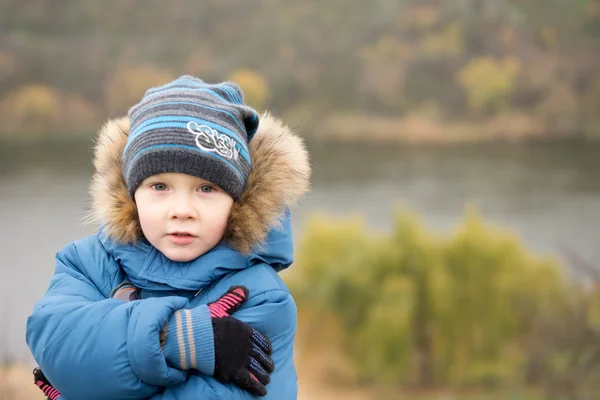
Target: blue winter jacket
[91, 346]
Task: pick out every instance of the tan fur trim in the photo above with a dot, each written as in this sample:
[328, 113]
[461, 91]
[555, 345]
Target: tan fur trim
[111, 205]
[279, 177]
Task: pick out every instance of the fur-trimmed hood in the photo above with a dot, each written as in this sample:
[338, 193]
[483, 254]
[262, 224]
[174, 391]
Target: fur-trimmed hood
[279, 177]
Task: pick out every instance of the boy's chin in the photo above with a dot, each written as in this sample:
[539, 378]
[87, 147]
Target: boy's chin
[181, 256]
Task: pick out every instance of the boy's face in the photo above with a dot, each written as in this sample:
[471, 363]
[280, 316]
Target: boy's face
[181, 215]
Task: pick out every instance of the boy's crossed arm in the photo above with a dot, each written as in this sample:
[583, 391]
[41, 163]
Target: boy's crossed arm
[93, 347]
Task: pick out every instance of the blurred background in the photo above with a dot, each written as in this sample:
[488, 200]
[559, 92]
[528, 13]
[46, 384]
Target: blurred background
[449, 247]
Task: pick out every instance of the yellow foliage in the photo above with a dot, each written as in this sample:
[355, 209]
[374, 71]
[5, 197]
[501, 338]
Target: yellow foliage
[127, 86]
[30, 110]
[254, 85]
[489, 83]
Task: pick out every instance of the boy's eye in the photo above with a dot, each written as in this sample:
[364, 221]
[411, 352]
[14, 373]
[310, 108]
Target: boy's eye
[206, 189]
[159, 187]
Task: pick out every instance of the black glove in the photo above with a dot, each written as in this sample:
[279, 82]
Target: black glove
[241, 353]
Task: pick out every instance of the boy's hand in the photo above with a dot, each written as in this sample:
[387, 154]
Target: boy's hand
[241, 353]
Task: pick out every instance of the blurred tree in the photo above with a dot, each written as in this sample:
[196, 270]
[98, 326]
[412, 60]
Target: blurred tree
[383, 73]
[489, 83]
[385, 57]
[559, 110]
[496, 290]
[447, 42]
[420, 310]
[30, 111]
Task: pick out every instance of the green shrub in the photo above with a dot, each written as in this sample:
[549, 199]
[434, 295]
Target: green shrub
[418, 309]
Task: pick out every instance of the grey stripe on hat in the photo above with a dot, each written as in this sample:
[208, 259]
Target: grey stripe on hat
[210, 95]
[216, 90]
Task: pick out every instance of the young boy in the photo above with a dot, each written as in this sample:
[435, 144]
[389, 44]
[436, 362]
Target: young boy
[192, 197]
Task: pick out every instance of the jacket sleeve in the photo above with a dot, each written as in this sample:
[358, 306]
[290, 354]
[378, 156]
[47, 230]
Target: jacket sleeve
[93, 347]
[273, 313]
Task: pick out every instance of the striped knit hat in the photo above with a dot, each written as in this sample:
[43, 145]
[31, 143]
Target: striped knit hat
[191, 127]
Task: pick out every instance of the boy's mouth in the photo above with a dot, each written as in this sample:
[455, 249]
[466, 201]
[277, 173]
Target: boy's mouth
[181, 234]
[181, 238]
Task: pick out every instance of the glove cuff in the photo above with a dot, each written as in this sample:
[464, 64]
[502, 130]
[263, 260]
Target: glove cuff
[190, 341]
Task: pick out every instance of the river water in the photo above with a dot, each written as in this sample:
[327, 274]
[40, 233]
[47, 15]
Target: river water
[548, 194]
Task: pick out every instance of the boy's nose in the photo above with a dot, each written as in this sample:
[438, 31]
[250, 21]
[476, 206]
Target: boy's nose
[182, 209]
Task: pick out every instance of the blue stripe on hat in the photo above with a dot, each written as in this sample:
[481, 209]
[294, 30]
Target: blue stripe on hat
[182, 146]
[225, 93]
[231, 93]
[167, 121]
[237, 94]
